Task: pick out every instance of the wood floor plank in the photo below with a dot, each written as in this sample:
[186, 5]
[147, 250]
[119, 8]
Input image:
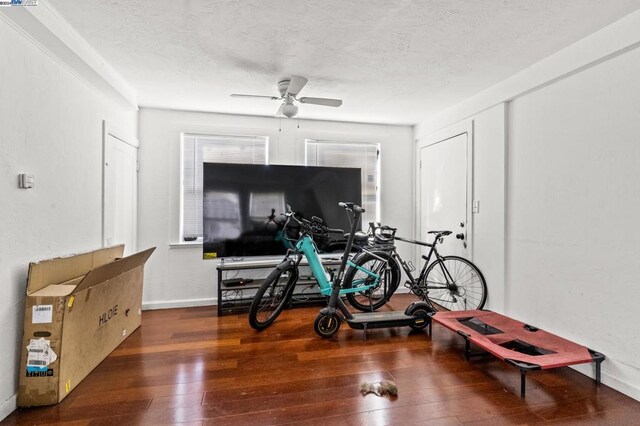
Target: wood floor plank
[188, 366]
[520, 416]
[171, 347]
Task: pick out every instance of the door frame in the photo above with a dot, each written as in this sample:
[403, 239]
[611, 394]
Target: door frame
[439, 137]
[109, 130]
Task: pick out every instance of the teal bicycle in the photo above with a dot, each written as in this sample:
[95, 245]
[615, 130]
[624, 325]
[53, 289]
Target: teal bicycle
[277, 288]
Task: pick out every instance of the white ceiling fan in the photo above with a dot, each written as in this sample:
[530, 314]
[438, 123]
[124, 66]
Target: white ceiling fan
[289, 90]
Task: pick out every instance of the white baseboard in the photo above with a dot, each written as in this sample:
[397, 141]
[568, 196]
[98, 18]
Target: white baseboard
[622, 387]
[7, 407]
[610, 380]
[184, 303]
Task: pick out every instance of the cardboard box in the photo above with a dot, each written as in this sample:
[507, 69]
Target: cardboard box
[78, 310]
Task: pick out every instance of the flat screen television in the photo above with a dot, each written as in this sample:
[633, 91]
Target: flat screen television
[242, 204]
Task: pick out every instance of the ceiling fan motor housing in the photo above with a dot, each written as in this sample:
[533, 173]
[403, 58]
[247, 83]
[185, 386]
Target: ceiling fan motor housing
[283, 85]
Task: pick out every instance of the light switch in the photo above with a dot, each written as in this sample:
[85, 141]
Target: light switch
[25, 181]
[476, 206]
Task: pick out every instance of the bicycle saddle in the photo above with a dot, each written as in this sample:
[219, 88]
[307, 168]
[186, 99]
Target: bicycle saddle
[443, 233]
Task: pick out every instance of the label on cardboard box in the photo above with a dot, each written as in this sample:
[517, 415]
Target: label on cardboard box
[39, 355]
[45, 372]
[42, 314]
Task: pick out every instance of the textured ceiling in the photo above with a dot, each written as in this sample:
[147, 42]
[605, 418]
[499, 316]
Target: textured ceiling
[391, 61]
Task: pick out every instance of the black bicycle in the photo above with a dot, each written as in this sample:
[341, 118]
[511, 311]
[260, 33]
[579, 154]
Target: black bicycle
[448, 283]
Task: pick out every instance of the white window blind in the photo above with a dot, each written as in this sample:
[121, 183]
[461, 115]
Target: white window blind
[197, 149]
[358, 155]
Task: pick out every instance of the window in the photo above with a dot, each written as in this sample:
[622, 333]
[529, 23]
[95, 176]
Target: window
[197, 149]
[358, 155]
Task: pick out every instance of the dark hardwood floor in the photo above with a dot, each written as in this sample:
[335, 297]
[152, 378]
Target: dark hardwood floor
[189, 366]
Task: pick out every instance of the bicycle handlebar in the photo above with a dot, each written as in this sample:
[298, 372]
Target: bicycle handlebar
[315, 225]
[382, 234]
[376, 225]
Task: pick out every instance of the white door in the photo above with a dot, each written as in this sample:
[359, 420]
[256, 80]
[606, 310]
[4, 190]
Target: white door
[443, 194]
[120, 193]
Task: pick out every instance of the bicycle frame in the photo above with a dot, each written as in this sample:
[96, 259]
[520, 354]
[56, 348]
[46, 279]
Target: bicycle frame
[432, 250]
[427, 258]
[307, 247]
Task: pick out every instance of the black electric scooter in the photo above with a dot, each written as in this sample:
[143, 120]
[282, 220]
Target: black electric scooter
[327, 323]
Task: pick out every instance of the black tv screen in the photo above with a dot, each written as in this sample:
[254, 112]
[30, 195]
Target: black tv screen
[242, 204]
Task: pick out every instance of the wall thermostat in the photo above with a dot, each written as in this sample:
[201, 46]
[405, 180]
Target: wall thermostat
[25, 181]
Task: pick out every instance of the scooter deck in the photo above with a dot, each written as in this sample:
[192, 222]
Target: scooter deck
[380, 320]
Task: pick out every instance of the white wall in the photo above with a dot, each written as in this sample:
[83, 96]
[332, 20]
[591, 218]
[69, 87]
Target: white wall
[176, 275]
[50, 126]
[572, 194]
[574, 203]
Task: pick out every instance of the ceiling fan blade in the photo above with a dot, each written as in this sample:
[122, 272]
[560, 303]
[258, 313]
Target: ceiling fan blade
[296, 84]
[321, 101]
[236, 95]
[279, 113]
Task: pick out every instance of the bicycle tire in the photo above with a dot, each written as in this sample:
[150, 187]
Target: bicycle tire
[272, 296]
[469, 291]
[373, 298]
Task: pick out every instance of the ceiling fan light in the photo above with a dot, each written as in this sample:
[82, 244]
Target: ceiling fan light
[289, 110]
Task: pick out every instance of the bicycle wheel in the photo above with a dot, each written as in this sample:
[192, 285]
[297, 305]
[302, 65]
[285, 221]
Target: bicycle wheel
[455, 284]
[273, 296]
[375, 297]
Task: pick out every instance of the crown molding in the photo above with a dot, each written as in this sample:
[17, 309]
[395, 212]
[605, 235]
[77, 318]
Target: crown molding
[49, 31]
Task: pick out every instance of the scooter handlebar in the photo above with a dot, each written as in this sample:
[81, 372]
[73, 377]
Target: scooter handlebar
[351, 206]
